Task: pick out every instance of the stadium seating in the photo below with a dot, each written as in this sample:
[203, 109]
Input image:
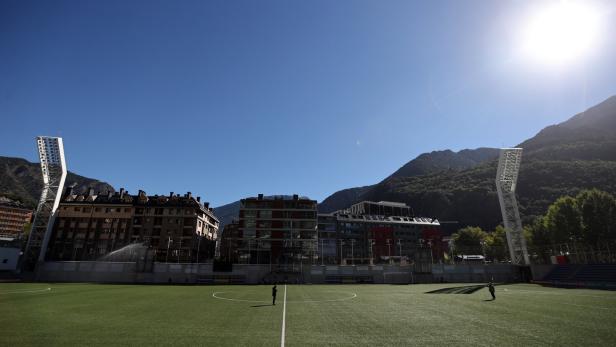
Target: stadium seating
[589, 273]
[597, 273]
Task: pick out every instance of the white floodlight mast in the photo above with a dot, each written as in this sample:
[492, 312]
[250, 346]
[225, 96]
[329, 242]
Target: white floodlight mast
[506, 180]
[53, 168]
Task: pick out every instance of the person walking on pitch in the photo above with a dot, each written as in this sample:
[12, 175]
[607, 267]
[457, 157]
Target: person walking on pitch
[491, 289]
[274, 290]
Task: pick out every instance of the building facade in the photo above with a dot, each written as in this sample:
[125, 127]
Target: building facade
[170, 228]
[283, 231]
[279, 230]
[379, 233]
[13, 218]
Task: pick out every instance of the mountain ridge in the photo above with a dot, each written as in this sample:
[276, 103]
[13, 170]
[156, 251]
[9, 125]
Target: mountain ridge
[22, 180]
[563, 158]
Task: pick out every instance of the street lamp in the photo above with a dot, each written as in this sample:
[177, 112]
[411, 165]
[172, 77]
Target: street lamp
[431, 257]
[198, 248]
[371, 243]
[340, 251]
[179, 250]
[169, 241]
[322, 255]
[352, 252]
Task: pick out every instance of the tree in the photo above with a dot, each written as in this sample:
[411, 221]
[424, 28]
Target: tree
[496, 244]
[564, 221]
[538, 240]
[468, 240]
[598, 215]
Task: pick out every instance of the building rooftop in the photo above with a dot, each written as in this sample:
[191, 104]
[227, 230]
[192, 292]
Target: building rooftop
[141, 199]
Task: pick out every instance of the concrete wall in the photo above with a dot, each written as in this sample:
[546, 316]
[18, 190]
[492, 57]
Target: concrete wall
[475, 273]
[86, 271]
[9, 258]
[539, 271]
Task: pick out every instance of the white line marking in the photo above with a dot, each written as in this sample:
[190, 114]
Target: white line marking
[23, 291]
[242, 300]
[284, 314]
[353, 296]
[218, 296]
[521, 291]
[587, 306]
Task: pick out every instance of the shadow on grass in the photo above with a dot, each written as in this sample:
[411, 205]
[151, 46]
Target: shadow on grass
[261, 305]
[457, 290]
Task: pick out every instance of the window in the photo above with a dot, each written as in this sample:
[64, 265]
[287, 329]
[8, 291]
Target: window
[249, 223]
[127, 209]
[77, 209]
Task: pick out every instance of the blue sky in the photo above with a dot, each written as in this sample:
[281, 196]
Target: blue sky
[229, 99]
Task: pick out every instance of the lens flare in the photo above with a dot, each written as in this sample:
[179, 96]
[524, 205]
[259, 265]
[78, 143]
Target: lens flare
[560, 33]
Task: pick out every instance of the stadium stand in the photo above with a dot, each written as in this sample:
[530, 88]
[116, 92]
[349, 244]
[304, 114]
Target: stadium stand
[222, 279]
[347, 279]
[587, 275]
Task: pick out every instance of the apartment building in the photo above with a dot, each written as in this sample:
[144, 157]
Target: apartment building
[173, 228]
[378, 233]
[14, 217]
[280, 230]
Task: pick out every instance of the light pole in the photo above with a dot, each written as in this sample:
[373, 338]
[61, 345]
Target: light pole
[258, 248]
[400, 250]
[198, 248]
[168, 245]
[352, 252]
[483, 250]
[430, 245]
[229, 251]
[179, 250]
[340, 251]
[388, 242]
[322, 256]
[371, 243]
[249, 251]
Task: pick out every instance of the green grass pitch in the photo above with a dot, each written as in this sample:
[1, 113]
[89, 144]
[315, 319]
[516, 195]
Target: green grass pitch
[96, 314]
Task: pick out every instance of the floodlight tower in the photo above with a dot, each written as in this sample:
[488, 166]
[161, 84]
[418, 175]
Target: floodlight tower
[53, 167]
[506, 179]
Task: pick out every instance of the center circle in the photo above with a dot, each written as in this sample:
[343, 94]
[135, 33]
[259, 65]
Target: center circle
[221, 296]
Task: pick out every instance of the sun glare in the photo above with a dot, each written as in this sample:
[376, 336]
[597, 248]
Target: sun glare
[560, 33]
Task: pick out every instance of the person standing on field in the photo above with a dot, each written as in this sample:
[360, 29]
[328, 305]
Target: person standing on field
[274, 291]
[491, 289]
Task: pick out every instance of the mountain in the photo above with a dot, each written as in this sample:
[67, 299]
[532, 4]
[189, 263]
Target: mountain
[437, 161]
[424, 164]
[343, 198]
[226, 213]
[561, 159]
[22, 180]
